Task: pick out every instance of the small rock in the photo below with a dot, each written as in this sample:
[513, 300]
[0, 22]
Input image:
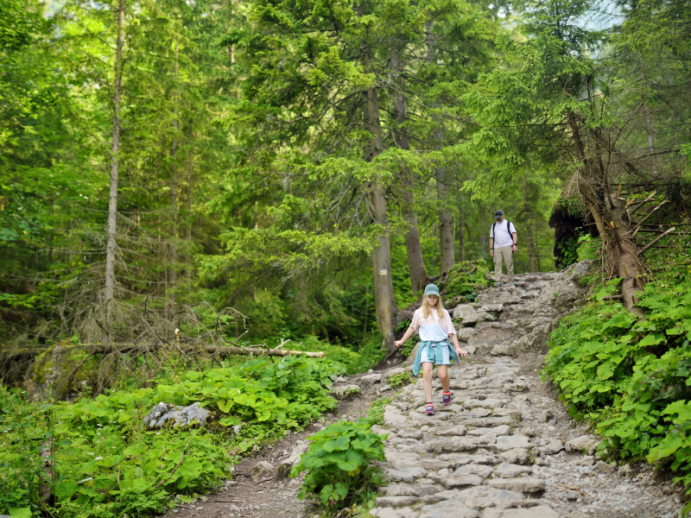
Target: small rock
[625, 470]
[371, 379]
[262, 469]
[604, 467]
[474, 469]
[344, 391]
[461, 481]
[581, 444]
[547, 416]
[553, 448]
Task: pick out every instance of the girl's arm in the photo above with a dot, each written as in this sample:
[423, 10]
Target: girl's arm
[405, 337]
[459, 351]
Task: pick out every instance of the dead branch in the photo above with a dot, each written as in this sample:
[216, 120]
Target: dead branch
[646, 247]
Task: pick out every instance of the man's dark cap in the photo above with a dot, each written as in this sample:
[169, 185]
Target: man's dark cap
[498, 213]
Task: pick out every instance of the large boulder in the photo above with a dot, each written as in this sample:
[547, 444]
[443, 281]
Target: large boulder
[164, 413]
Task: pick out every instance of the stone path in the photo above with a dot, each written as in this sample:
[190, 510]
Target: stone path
[505, 448]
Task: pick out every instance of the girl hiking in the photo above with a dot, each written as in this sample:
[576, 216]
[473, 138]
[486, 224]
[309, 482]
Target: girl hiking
[435, 326]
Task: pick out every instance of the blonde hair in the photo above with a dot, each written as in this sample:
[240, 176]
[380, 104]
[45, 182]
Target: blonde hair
[427, 310]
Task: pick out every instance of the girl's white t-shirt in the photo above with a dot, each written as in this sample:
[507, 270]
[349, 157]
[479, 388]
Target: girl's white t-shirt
[433, 328]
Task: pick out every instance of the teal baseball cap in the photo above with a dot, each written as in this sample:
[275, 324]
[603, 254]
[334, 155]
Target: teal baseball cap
[431, 289]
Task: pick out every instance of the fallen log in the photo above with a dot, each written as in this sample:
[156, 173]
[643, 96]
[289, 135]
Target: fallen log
[217, 350]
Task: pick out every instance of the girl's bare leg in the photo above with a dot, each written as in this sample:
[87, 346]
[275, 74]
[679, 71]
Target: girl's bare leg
[443, 373]
[427, 369]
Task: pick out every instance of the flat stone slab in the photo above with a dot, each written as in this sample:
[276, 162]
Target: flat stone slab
[448, 509]
[458, 481]
[396, 501]
[404, 474]
[541, 511]
[511, 442]
[388, 512]
[393, 417]
[496, 496]
[516, 456]
[523, 484]
[582, 443]
[481, 470]
[506, 470]
[451, 445]
[495, 431]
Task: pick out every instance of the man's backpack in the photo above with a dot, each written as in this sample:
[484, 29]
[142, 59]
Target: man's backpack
[508, 226]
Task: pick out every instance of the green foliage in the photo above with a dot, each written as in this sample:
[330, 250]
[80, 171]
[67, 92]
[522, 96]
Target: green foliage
[400, 380]
[339, 465]
[630, 377]
[465, 279]
[107, 464]
[588, 248]
[375, 413]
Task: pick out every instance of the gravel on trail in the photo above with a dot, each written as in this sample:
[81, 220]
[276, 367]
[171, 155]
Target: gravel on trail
[505, 447]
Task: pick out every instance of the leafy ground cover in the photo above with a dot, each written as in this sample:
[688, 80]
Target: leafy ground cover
[102, 462]
[630, 377]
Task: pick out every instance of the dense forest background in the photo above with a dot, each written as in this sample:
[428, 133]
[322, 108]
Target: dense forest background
[251, 164]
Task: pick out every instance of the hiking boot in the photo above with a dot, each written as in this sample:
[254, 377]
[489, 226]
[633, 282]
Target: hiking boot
[430, 409]
[446, 398]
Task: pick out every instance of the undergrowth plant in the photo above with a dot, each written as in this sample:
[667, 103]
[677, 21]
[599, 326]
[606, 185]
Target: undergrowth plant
[339, 466]
[630, 377]
[106, 463]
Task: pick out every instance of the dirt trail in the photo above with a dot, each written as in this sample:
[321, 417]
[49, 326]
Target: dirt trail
[505, 448]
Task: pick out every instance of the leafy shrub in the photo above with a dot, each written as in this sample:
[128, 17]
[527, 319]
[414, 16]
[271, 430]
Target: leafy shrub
[105, 462]
[465, 279]
[375, 413]
[401, 379]
[338, 464]
[631, 377]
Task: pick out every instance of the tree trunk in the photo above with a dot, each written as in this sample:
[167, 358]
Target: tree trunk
[648, 120]
[446, 240]
[461, 231]
[381, 257]
[621, 251]
[172, 274]
[529, 234]
[416, 262]
[113, 195]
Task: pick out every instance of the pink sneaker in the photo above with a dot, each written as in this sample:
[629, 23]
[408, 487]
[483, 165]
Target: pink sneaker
[446, 398]
[430, 409]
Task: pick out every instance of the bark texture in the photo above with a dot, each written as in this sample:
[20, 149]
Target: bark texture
[381, 257]
[113, 194]
[416, 262]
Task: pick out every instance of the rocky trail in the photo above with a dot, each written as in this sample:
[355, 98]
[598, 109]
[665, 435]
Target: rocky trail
[504, 448]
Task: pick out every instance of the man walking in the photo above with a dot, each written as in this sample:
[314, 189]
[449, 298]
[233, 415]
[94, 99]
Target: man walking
[502, 245]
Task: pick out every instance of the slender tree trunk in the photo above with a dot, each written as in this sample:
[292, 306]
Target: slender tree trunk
[461, 231]
[529, 233]
[381, 257]
[113, 195]
[416, 262]
[446, 239]
[648, 120]
[172, 273]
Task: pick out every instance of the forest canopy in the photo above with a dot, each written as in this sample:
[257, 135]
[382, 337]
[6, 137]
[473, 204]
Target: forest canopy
[258, 166]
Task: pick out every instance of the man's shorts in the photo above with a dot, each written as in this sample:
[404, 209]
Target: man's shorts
[444, 353]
